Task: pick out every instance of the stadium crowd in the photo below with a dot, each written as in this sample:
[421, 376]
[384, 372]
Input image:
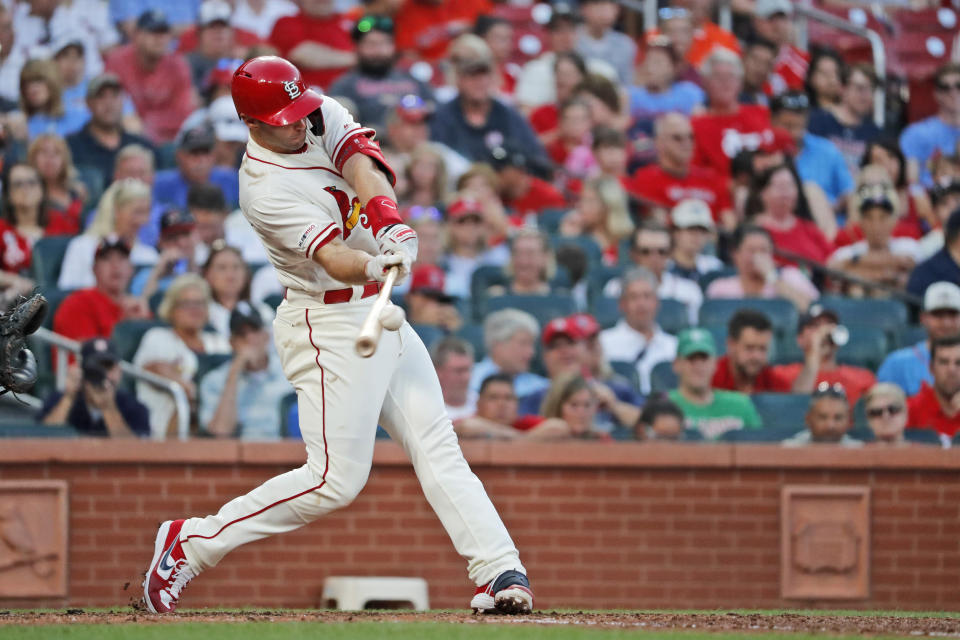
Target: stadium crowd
[678, 233]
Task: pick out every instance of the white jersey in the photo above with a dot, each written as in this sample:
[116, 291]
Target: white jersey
[298, 202]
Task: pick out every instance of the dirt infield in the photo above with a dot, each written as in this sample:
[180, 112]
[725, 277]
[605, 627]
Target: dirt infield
[727, 622]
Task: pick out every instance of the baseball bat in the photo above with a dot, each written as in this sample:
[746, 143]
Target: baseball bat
[369, 334]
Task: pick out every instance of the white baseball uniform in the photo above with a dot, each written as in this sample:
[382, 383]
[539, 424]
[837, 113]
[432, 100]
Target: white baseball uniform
[296, 203]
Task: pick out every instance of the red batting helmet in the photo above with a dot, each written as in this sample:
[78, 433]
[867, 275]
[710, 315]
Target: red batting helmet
[270, 89]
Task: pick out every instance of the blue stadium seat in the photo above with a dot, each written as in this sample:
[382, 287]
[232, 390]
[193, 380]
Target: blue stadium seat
[662, 378]
[484, 277]
[606, 311]
[705, 280]
[782, 411]
[719, 333]
[867, 348]
[543, 308]
[673, 316]
[48, 255]
[127, 335]
[36, 430]
[549, 220]
[473, 333]
[923, 436]
[781, 312]
[627, 371]
[207, 362]
[597, 279]
[766, 434]
[289, 415]
[273, 300]
[863, 433]
[587, 244]
[428, 334]
[888, 315]
[911, 334]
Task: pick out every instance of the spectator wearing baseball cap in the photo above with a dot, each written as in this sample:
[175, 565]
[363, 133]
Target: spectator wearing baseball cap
[773, 21]
[95, 311]
[691, 230]
[945, 198]
[523, 193]
[943, 265]
[241, 398]
[68, 55]
[376, 85]
[158, 82]
[214, 40]
[661, 91]
[817, 159]
[820, 335]
[909, 367]
[195, 165]
[468, 243]
[476, 121]
[937, 405]
[711, 412]
[178, 15]
[828, 419]
[92, 402]
[427, 304]
[178, 248]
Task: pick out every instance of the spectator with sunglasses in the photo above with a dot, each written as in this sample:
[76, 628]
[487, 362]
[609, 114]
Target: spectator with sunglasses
[817, 159]
[885, 406]
[375, 85]
[937, 405]
[828, 419]
[940, 132]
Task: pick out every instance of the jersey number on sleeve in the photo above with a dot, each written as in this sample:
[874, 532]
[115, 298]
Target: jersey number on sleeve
[350, 211]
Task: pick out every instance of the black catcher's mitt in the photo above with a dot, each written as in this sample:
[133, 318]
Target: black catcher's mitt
[18, 366]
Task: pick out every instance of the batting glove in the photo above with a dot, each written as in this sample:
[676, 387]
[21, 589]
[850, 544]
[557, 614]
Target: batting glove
[378, 266]
[399, 238]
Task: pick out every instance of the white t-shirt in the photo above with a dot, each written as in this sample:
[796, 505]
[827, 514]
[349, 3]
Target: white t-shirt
[672, 287]
[467, 410]
[298, 202]
[161, 344]
[261, 23]
[219, 317]
[622, 343]
[898, 247]
[76, 272]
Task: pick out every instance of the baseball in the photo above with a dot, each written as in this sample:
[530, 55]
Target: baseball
[392, 317]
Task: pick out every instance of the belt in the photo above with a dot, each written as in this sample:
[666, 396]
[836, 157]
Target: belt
[336, 296]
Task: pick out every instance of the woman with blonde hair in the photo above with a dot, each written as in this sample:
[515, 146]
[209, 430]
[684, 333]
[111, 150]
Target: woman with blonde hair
[41, 103]
[572, 399]
[50, 156]
[426, 178]
[172, 351]
[123, 210]
[603, 214]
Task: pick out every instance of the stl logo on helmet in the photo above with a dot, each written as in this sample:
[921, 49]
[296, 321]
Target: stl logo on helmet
[350, 211]
[290, 86]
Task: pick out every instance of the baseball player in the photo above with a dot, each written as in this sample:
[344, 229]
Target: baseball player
[317, 190]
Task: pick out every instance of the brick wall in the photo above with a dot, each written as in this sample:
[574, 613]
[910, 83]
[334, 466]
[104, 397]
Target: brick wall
[599, 525]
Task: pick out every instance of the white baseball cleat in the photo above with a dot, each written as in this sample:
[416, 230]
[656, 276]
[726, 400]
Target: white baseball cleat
[508, 593]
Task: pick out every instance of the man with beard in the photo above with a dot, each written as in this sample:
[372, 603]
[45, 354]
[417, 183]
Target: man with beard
[746, 366]
[375, 85]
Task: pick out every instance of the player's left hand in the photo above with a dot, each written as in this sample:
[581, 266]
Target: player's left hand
[400, 239]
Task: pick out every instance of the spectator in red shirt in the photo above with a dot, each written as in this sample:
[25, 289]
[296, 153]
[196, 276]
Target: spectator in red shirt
[426, 27]
[573, 131]
[94, 312]
[523, 193]
[498, 34]
[497, 416]
[773, 20]
[746, 366]
[569, 70]
[23, 218]
[673, 178]
[63, 201]
[158, 82]
[937, 406]
[777, 203]
[727, 127]
[818, 336]
[317, 40]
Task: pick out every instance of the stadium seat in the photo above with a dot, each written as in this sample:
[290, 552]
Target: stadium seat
[673, 316]
[911, 334]
[587, 244]
[48, 255]
[662, 378]
[782, 411]
[287, 415]
[889, 315]
[428, 334]
[207, 362]
[606, 311]
[549, 220]
[473, 333]
[628, 371]
[543, 308]
[597, 279]
[863, 433]
[766, 434]
[719, 333]
[154, 302]
[923, 436]
[273, 300]
[786, 350]
[705, 280]
[484, 277]
[781, 312]
[127, 335]
[867, 347]
[55, 298]
[36, 430]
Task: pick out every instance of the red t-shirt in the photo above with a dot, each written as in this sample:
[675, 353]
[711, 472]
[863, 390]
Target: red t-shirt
[545, 118]
[666, 189]
[789, 70]
[64, 222]
[719, 138]
[768, 380]
[425, 29]
[332, 31]
[15, 253]
[804, 238]
[86, 314]
[541, 195]
[163, 96]
[525, 423]
[855, 380]
[242, 40]
[925, 412]
[559, 151]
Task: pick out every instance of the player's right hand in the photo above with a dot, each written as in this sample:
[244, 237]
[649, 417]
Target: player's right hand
[378, 266]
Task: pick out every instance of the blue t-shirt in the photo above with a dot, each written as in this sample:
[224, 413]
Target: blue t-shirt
[70, 122]
[177, 11]
[850, 141]
[820, 162]
[939, 266]
[171, 189]
[907, 368]
[922, 139]
[682, 97]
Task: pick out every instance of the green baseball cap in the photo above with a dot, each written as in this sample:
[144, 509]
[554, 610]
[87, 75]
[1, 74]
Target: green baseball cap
[691, 341]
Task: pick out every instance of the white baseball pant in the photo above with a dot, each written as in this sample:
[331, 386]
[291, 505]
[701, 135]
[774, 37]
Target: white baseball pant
[342, 397]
